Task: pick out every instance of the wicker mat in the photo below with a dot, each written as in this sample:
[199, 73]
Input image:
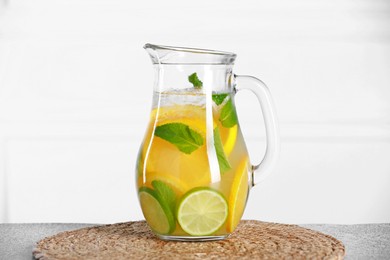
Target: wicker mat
[133, 240]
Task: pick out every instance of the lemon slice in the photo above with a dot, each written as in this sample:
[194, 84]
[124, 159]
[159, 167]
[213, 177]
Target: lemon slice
[230, 141]
[202, 211]
[191, 115]
[157, 214]
[238, 195]
[178, 185]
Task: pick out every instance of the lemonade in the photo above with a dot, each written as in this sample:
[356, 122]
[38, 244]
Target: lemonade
[192, 168]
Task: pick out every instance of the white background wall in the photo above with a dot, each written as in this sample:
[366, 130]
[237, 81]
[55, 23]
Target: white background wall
[75, 93]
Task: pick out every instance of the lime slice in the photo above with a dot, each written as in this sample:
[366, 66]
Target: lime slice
[202, 211]
[157, 213]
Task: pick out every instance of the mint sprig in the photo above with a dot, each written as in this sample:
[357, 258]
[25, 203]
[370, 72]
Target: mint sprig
[193, 78]
[181, 135]
[165, 193]
[219, 98]
[223, 162]
[228, 116]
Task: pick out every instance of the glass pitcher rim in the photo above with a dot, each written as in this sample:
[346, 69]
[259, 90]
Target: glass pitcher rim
[190, 55]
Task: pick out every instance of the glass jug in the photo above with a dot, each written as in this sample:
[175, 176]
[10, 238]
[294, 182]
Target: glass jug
[193, 173]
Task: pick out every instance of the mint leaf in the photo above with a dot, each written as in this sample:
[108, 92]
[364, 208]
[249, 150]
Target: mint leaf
[228, 116]
[219, 98]
[180, 135]
[223, 162]
[193, 78]
[165, 193]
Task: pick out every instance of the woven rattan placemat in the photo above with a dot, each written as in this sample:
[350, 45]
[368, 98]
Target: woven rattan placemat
[133, 240]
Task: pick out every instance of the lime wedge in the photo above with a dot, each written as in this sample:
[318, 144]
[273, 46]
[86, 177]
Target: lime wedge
[158, 215]
[202, 211]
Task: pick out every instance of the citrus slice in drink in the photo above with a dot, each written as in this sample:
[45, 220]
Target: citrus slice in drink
[230, 141]
[158, 215]
[238, 196]
[202, 211]
[192, 115]
[178, 185]
[164, 157]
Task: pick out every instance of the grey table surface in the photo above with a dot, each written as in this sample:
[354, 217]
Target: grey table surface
[362, 241]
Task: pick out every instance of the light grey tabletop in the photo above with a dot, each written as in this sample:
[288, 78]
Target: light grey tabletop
[364, 241]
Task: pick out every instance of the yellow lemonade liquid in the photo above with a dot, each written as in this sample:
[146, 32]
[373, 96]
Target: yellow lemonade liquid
[164, 160]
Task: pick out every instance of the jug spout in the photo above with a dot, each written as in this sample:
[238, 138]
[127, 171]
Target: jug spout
[180, 55]
[174, 67]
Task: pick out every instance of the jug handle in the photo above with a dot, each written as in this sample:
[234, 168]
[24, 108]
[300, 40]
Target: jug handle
[260, 89]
